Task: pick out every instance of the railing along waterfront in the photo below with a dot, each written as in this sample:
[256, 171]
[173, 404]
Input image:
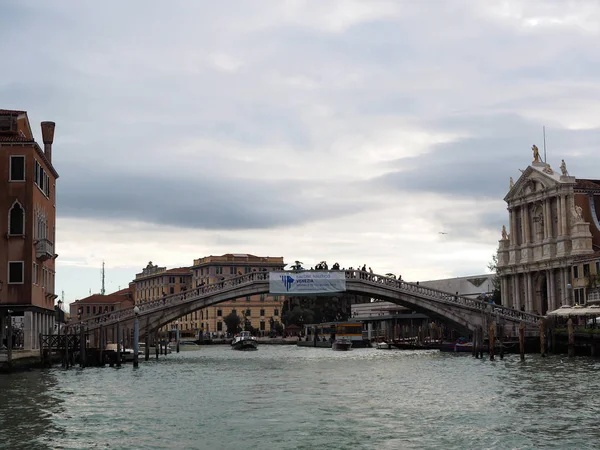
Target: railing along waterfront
[252, 278]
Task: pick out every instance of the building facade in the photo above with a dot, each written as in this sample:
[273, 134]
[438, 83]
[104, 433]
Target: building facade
[27, 234]
[96, 304]
[553, 226]
[155, 282]
[259, 310]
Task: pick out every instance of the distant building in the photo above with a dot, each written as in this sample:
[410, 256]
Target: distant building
[548, 254]
[155, 282]
[27, 232]
[470, 286]
[258, 310]
[96, 304]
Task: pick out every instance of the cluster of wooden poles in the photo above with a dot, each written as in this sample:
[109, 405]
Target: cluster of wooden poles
[478, 344]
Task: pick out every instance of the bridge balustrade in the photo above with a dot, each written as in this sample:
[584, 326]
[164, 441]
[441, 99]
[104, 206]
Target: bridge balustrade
[232, 283]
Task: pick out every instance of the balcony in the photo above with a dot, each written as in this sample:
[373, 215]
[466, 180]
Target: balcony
[44, 249]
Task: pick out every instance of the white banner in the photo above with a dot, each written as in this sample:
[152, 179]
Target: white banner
[306, 283]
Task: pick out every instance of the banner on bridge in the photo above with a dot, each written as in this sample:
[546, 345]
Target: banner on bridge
[306, 283]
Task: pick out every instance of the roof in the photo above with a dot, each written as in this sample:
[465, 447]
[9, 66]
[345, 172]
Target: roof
[587, 184]
[178, 270]
[103, 299]
[6, 112]
[11, 138]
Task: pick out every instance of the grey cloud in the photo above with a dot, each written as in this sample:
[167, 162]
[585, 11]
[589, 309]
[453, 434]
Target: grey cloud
[204, 202]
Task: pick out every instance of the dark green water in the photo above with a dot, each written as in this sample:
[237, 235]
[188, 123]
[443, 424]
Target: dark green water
[285, 397]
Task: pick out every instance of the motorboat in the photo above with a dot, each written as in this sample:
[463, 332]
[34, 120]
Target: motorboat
[244, 341]
[461, 345]
[384, 345]
[342, 344]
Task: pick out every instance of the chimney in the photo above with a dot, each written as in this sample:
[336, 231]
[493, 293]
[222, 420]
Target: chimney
[48, 138]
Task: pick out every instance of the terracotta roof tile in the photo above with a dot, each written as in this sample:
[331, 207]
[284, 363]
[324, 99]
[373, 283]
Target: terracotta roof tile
[5, 112]
[14, 138]
[587, 184]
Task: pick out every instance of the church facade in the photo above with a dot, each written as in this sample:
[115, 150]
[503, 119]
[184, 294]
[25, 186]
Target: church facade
[553, 227]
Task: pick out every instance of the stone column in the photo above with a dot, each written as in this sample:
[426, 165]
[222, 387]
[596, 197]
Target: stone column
[547, 220]
[548, 290]
[564, 213]
[517, 290]
[528, 293]
[504, 294]
[527, 225]
[552, 282]
[513, 226]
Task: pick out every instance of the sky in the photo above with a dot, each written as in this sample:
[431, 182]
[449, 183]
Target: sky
[347, 131]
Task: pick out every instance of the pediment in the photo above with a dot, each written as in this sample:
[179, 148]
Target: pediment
[532, 180]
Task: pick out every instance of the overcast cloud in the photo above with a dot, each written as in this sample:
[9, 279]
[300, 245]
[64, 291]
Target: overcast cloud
[352, 131]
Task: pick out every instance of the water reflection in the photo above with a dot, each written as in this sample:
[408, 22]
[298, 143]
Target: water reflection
[29, 405]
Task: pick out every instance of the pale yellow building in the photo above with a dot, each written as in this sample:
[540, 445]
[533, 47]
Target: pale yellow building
[257, 309]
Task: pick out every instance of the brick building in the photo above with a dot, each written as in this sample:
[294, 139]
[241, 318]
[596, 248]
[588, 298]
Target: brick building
[97, 304]
[27, 236]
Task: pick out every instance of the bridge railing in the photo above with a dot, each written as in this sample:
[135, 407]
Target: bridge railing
[175, 299]
[445, 297]
[231, 283]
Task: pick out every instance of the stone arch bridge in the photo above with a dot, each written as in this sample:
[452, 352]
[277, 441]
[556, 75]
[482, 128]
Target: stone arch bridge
[463, 313]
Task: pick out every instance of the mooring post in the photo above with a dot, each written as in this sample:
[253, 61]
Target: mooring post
[571, 338]
[542, 338]
[136, 336]
[501, 337]
[156, 349]
[9, 339]
[491, 340]
[118, 344]
[102, 345]
[147, 347]
[474, 343]
[82, 346]
[40, 340]
[522, 340]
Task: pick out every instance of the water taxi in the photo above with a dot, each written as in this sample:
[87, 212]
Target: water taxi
[244, 341]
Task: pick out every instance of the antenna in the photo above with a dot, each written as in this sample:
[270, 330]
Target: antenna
[544, 131]
[102, 291]
[63, 297]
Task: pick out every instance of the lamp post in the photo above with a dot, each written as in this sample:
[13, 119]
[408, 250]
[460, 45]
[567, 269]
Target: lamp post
[136, 335]
[177, 336]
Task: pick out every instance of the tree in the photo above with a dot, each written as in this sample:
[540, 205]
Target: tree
[298, 316]
[232, 322]
[493, 267]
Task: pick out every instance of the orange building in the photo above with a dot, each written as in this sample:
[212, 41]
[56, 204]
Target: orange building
[27, 236]
[259, 310]
[97, 304]
[155, 282]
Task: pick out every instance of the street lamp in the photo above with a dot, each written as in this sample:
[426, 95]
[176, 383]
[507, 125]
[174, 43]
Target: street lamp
[136, 335]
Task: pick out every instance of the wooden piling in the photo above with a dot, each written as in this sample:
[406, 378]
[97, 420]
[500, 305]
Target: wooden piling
[9, 341]
[102, 345]
[481, 339]
[542, 338]
[474, 342]
[82, 346]
[522, 340]
[147, 347]
[41, 342]
[118, 345]
[571, 338]
[501, 336]
[491, 340]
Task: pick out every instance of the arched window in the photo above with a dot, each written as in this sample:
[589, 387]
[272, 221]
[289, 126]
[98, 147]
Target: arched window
[16, 220]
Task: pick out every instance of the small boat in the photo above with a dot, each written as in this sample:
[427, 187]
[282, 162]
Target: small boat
[244, 341]
[384, 346]
[461, 345]
[342, 344]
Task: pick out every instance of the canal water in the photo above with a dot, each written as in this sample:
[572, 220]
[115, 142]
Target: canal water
[285, 397]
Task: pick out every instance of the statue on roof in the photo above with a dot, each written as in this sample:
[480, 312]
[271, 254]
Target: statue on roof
[563, 168]
[512, 183]
[504, 234]
[536, 153]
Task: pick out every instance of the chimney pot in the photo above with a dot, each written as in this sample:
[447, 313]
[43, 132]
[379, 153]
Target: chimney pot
[48, 138]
